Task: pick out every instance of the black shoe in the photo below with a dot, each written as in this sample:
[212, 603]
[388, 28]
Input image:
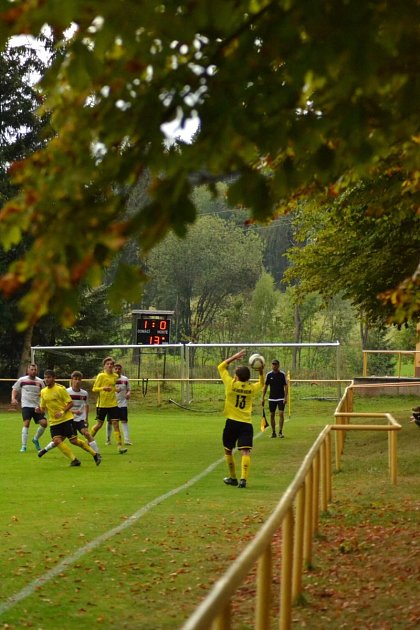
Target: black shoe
[281, 435]
[97, 458]
[274, 434]
[122, 450]
[75, 462]
[41, 452]
[242, 483]
[230, 481]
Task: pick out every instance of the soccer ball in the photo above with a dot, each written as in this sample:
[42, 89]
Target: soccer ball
[256, 361]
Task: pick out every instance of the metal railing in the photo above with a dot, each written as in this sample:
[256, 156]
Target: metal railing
[297, 516]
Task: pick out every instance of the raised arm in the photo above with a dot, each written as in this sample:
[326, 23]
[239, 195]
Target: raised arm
[235, 357]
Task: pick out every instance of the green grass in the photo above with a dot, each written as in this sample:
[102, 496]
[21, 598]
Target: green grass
[153, 573]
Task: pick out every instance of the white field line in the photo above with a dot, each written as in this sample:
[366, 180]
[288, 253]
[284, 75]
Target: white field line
[62, 566]
[28, 590]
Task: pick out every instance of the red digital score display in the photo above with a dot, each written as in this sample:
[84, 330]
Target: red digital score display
[153, 331]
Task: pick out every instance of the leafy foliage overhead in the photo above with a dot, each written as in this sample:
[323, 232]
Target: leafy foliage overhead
[22, 132]
[290, 95]
[20, 127]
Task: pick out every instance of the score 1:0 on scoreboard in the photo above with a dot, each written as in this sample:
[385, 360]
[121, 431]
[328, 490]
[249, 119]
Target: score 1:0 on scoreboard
[153, 331]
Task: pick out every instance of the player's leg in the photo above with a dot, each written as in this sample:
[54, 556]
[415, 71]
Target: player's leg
[100, 418]
[47, 448]
[272, 408]
[81, 443]
[245, 444]
[83, 430]
[281, 418]
[67, 452]
[42, 425]
[117, 435]
[26, 417]
[124, 425]
[229, 441]
[115, 418]
[58, 434]
[108, 432]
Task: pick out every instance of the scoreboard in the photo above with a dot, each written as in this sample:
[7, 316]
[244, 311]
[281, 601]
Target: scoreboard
[153, 331]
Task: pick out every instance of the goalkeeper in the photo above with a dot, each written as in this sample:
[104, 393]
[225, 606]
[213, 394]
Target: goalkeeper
[238, 430]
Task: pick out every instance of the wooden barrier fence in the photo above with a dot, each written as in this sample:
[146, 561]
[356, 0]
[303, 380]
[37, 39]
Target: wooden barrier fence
[297, 517]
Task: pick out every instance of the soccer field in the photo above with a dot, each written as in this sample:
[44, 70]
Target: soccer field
[138, 541]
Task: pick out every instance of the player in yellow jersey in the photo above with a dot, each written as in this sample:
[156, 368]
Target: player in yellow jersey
[57, 403]
[107, 404]
[238, 431]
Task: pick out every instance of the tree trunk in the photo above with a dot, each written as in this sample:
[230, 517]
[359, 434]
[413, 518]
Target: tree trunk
[364, 332]
[25, 357]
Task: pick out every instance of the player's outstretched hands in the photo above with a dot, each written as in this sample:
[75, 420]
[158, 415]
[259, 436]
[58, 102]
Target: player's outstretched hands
[236, 357]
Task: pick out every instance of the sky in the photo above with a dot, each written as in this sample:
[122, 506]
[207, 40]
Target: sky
[172, 130]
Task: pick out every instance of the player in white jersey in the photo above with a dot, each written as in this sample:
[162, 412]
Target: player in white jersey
[80, 411]
[28, 389]
[123, 392]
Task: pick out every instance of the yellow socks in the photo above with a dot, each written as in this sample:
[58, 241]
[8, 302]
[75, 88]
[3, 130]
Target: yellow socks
[117, 435]
[245, 466]
[84, 445]
[94, 430]
[231, 465]
[66, 451]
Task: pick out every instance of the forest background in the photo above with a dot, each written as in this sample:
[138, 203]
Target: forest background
[311, 274]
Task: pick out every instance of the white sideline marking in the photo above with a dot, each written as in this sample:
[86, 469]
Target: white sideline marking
[49, 575]
[35, 584]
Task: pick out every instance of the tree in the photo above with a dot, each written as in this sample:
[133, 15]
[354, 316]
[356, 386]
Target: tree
[96, 325]
[196, 274]
[260, 325]
[361, 243]
[279, 238]
[380, 364]
[215, 203]
[22, 132]
[291, 96]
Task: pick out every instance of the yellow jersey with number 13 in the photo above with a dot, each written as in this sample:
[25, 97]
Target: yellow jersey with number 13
[238, 395]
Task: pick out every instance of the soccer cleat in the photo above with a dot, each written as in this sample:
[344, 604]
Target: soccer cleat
[97, 458]
[230, 481]
[281, 435]
[242, 483]
[41, 452]
[122, 450]
[128, 443]
[23, 449]
[75, 462]
[36, 443]
[274, 434]
[108, 443]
